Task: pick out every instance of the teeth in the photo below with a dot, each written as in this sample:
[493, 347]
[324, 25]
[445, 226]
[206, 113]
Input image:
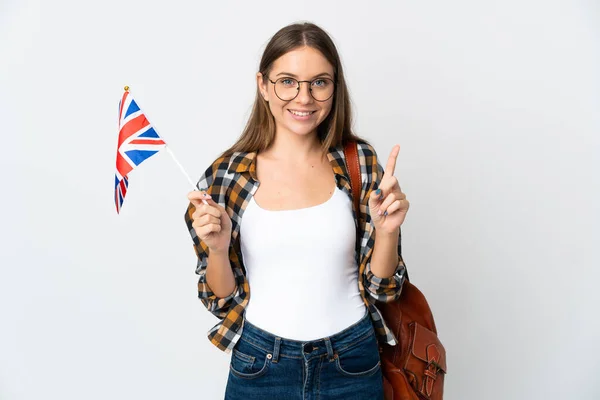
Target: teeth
[301, 114]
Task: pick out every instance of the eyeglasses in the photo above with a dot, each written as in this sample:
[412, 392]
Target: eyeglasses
[321, 89]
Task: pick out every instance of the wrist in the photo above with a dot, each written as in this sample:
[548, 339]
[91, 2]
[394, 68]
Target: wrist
[219, 252]
[387, 235]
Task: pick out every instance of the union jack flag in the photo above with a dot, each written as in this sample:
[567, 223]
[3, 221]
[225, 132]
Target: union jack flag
[138, 141]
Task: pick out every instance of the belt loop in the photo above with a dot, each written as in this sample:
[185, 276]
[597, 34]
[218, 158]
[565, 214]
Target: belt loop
[276, 349]
[329, 349]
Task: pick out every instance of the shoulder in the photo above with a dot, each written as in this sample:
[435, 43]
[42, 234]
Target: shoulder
[367, 151]
[220, 165]
[222, 170]
[368, 160]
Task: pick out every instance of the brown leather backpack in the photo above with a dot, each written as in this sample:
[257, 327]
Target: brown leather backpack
[414, 369]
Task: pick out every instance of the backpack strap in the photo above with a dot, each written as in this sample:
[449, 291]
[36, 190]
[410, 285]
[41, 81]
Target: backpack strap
[353, 166]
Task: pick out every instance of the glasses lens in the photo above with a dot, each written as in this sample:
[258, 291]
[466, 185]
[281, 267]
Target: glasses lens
[286, 88]
[322, 89]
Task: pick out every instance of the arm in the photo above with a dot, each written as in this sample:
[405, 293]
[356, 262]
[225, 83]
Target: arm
[216, 285]
[384, 260]
[385, 286]
[387, 206]
[219, 274]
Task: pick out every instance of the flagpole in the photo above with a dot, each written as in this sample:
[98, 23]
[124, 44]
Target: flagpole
[175, 159]
[183, 170]
[181, 167]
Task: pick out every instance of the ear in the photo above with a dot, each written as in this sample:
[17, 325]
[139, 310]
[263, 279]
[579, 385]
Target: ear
[262, 86]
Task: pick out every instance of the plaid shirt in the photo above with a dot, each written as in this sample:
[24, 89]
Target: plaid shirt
[231, 181]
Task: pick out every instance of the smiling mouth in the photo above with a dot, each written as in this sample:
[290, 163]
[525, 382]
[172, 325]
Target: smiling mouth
[302, 113]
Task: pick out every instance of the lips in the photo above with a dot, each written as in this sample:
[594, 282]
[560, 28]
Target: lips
[300, 113]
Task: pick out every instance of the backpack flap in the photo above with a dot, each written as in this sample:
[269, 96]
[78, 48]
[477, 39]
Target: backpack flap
[426, 361]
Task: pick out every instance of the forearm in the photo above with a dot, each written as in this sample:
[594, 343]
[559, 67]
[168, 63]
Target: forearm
[219, 274]
[384, 259]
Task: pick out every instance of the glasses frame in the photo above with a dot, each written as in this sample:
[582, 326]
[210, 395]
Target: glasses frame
[298, 87]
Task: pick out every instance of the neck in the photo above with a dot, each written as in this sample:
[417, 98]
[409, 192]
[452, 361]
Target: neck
[293, 147]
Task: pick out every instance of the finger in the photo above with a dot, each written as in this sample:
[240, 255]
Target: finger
[208, 229]
[214, 204]
[204, 209]
[389, 184]
[207, 219]
[395, 206]
[197, 197]
[390, 198]
[210, 209]
[390, 168]
[199, 225]
[399, 195]
[375, 197]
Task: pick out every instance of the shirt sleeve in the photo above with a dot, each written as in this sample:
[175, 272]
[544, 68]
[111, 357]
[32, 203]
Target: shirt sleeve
[382, 289]
[218, 306]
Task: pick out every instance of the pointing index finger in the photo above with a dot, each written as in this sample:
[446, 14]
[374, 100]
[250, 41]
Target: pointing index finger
[391, 163]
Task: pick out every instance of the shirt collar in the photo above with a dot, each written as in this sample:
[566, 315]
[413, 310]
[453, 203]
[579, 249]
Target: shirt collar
[244, 162]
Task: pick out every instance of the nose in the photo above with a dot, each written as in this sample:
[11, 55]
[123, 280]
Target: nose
[304, 96]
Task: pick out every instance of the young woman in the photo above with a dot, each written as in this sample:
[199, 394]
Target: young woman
[274, 230]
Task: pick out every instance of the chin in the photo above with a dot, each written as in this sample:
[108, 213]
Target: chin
[302, 131]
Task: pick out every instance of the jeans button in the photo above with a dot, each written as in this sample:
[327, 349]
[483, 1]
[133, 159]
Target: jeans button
[308, 347]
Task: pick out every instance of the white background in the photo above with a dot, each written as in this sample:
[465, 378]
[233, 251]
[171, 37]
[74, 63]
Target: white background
[496, 107]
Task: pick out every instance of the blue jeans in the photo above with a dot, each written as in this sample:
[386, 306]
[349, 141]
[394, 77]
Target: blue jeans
[344, 366]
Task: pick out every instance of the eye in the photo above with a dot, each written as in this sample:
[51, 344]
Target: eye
[288, 82]
[320, 83]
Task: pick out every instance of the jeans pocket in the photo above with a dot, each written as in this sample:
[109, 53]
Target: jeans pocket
[249, 361]
[360, 359]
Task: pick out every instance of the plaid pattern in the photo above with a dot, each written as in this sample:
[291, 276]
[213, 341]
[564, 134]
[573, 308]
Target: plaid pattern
[231, 181]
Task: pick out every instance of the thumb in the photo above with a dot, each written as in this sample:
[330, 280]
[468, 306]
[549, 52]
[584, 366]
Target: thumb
[196, 198]
[375, 200]
[213, 203]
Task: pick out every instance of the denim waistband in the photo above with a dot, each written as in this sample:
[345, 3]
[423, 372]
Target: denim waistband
[282, 347]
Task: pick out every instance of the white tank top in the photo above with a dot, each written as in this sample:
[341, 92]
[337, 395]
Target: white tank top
[301, 269]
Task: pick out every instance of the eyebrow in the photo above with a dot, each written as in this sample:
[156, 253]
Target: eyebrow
[295, 76]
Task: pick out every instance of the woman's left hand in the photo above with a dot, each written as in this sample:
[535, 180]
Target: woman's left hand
[388, 205]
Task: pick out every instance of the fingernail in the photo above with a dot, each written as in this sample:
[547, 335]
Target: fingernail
[378, 192]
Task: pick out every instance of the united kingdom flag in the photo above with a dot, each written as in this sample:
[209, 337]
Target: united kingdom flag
[138, 141]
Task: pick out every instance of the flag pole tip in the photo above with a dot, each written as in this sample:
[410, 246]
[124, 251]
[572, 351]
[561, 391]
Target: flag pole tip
[127, 88]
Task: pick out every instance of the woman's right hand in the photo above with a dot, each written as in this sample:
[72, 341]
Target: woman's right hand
[211, 222]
